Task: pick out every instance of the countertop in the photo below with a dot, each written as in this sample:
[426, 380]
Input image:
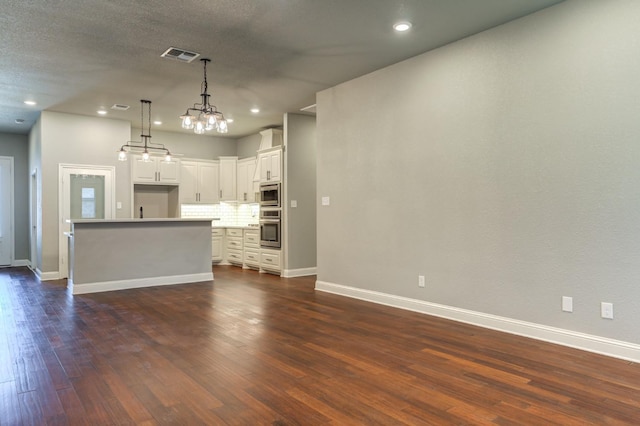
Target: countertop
[131, 220]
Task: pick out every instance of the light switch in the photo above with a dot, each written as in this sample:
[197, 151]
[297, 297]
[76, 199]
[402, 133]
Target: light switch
[294, 204]
[119, 205]
[326, 201]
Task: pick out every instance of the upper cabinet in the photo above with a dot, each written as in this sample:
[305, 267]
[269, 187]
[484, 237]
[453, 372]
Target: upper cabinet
[228, 176]
[270, 163]
[199, 182]
[155, 171]
[247, 188]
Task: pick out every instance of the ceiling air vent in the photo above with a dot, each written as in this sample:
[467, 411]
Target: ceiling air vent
[180, 54]
[120, 107]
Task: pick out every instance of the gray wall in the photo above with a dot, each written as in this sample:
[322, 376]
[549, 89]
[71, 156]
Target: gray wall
[300, 178]
[17, 146]
[74, 139]
[504, 167]
[190, 145]
[248, 146]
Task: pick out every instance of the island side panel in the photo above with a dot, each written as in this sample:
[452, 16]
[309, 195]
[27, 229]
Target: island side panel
[126, 251]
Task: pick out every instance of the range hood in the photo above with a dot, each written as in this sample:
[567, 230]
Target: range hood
[270, 138]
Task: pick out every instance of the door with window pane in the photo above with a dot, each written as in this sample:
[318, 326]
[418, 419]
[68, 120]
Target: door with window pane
[87, 193]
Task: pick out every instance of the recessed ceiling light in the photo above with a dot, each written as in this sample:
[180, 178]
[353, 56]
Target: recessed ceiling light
[255, 110]
[102, 112]
[402, 26]
[229, 120]
[157, 122]
[31, 103]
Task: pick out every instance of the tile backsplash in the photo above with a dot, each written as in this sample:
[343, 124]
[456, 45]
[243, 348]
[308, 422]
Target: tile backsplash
[229, 214]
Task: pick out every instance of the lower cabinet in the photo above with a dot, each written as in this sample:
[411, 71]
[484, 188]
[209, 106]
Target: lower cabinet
[270, 260]
[234, 246]
[252, 248]
[217, 235]
[241, 247]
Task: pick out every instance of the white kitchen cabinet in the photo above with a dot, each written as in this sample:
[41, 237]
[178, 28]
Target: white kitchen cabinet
[270, 165]
[217, 237]
[247, 188]
[155, 171]
[234, 246]
[252, 248]
[228, 178]
[199, 182]
[270, 260]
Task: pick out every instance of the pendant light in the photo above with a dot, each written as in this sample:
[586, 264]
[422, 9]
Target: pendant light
[145, 145]
[205, 117]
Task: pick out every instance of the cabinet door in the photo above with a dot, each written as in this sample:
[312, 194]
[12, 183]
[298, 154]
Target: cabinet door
[265, 167]
[168, 172]
[208, 183]
[275, 160]
[216, 249]
[188, 182]
[245, 184]
[228, 177]
[143, 171]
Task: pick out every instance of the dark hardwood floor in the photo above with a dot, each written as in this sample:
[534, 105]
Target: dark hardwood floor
[255, 349]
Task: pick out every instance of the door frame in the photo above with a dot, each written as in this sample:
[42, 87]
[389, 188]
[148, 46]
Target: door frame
[108, 213]
[11, 238]
[33, 226]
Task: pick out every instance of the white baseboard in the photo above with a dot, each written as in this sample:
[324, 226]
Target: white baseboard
[98, 287]
[302, 272]
[21, 262]
[587, 342]
[47, 276]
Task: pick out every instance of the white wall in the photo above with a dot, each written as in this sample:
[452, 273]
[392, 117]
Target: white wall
[504, 167]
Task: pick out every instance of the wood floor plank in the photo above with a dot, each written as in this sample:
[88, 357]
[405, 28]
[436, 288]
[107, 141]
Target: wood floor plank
[257, 349]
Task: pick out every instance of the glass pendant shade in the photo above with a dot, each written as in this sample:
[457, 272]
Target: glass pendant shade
[187, 121]
[145, 156]
[122, 155]
[212, 121]
[199, 127]
[222, 126]
[167, 158]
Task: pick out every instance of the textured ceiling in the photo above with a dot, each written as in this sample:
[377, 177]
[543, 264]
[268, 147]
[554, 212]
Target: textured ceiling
[76, 56]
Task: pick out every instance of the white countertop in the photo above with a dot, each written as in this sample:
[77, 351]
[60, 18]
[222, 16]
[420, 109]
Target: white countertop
[130, 220]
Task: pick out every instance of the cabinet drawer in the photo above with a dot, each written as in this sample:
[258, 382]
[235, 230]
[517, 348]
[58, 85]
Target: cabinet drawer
[270, 260]
[234, 232]
[234, 256]
[252, 257]
[217, 232]
[234, 243]
[251, 237]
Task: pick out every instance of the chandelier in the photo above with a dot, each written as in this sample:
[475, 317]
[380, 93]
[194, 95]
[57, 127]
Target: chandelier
[145, 145]
[207, 117]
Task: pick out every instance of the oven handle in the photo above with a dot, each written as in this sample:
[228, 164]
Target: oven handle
[269, 221]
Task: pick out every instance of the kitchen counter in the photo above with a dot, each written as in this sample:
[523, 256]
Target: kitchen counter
[116, 254]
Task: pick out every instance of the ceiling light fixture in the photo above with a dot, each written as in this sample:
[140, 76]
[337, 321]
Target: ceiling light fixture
[102, 112]
[402, 26]
[30, 103]
[255, 110]
[207, 116]
[145, 145]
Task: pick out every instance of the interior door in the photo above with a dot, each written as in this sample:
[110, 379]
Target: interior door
[85, 193]
[6, 211]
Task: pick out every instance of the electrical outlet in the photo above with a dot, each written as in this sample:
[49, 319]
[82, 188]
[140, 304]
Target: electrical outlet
[567, 304]
[606, 310]
[421, 281]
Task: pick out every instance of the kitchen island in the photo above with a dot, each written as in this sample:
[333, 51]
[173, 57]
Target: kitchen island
[116, 254]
